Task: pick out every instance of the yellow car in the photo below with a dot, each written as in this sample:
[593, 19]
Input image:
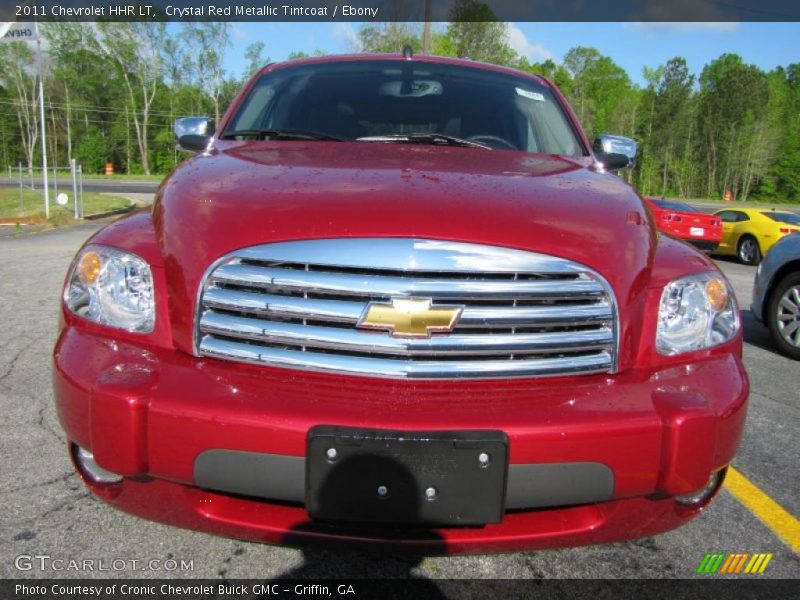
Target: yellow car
[749, 232]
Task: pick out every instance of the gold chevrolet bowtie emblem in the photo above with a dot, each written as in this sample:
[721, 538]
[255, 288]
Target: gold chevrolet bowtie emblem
[410, 317]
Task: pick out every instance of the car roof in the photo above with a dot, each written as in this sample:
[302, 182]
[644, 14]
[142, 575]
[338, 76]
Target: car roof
[684, 206]
[748, 211]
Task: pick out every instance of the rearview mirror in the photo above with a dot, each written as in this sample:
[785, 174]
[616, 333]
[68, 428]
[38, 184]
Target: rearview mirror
[193, 133]
[615, 152]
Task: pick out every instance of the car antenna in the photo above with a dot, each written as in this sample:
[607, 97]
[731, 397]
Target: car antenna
[408, 52]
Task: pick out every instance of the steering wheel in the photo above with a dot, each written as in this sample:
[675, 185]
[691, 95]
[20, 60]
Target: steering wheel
[492, 140]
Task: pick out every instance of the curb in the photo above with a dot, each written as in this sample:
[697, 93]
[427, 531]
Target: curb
[111, 213]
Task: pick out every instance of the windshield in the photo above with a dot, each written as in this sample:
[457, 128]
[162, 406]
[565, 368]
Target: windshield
[672, 205]
[358, 99]
[790, 218]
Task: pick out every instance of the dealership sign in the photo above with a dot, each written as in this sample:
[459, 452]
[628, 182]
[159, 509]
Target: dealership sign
[17, 32]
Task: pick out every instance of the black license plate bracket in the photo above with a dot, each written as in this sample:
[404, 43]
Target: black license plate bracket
[444, 478]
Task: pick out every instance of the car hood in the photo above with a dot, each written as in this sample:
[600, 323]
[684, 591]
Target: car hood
[242, 194]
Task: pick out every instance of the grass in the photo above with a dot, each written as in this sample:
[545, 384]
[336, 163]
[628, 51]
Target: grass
[123, 177]
[32, 208]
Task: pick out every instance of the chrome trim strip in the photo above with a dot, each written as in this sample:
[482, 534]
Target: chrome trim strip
[283, 306]
[532, 316]
[402, 369]
[317, 282]
[405, 254]
[352, 340]
[340, 311]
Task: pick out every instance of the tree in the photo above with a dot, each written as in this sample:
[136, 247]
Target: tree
[92, 151]
[548, 69]
[18, 74]
[389, 37]
[732, 103]
[254, 54]
[208, 43]
[601, 92]
[669, 127]
[476, 34]
[783, 174]
[113, 90]
[299, 54]
[133, 49]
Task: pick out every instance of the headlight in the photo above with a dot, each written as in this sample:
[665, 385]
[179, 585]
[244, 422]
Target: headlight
[696, 312]
[112, 287]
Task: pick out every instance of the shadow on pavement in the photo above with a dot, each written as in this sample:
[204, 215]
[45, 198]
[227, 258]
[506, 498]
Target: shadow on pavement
[756, 333]
[320, 541]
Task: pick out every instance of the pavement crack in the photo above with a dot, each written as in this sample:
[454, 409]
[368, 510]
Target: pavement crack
[775, 400]
[66, 503]
[45, 427]
[15, 358]
[60, 479]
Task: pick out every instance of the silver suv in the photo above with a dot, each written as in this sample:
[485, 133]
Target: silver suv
[776, 295]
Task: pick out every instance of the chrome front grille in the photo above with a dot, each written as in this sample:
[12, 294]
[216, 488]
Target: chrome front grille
[297, 305]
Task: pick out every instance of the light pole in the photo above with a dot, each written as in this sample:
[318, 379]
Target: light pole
[42, 122]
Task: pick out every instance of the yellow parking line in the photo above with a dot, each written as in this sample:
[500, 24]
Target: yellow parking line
[785, 526]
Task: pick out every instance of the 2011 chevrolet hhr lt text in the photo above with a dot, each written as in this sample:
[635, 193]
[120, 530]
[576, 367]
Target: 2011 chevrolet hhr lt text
[400, 301]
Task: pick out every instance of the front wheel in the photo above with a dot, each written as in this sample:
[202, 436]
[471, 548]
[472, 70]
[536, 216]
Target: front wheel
[783, 315]
[749, 252]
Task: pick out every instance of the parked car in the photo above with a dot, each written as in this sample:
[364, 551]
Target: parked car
[750, 232]
[400, 290]
[776, 295]
[685, 222]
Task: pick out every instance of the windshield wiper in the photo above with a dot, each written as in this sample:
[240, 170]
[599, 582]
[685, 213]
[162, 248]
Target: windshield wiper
[438, 139]
[281, 134]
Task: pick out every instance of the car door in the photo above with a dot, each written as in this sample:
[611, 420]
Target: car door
[740, 227]
[729, 219]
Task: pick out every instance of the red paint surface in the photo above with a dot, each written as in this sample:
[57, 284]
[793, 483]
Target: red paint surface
[146, 407]
[248, 519]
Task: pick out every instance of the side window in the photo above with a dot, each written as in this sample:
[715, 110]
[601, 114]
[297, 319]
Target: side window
[740, 216]
[728, 216]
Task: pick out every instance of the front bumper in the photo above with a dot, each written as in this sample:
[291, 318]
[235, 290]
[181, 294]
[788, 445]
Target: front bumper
[220, 447]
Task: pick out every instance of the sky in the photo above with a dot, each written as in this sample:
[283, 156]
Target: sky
[631, 45]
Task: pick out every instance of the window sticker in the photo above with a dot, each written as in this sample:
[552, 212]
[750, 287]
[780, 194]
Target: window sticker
[530, 95]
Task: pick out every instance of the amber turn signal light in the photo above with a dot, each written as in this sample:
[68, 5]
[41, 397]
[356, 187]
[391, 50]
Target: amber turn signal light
[717, 293]
[89, 268]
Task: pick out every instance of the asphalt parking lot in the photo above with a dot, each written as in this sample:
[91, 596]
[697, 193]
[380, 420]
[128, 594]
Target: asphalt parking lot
[47, 510]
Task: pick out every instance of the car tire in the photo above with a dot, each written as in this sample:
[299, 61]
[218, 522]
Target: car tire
[783, 315]
[748, 250]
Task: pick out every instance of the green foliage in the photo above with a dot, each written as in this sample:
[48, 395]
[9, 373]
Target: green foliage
[476, 35]
[601, 92]
[666, 129]
[443, 45]
[92, 152]
[550, 70]
[163, 151]
[254, 54]
[390, 37]
[59, 217]
[19, 82]
[297, 55]
[783, 175]
[114, 90]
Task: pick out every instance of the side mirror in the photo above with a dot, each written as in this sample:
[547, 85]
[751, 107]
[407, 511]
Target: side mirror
[615, 152]
[193, 133]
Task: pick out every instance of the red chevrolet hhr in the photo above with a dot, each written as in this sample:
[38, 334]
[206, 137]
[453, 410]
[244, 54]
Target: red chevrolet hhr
[400, 301]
